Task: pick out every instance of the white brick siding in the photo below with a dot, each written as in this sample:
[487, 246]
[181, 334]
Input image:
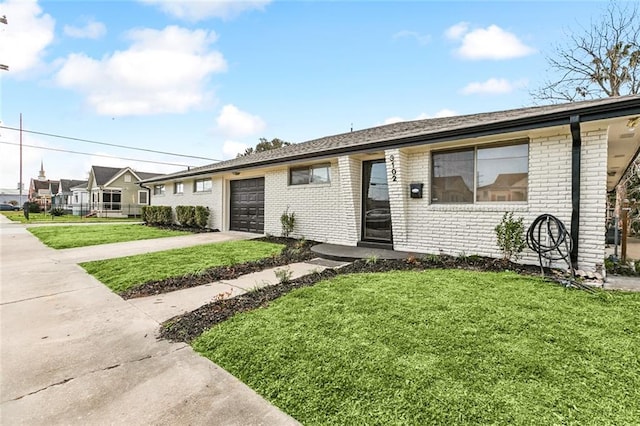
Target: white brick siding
[211, 199]
[332, 212]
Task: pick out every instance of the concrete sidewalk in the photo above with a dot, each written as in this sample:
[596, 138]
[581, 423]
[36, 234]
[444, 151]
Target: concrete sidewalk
[72, 352]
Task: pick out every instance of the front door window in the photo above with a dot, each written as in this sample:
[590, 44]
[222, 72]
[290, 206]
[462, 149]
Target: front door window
[376, 221]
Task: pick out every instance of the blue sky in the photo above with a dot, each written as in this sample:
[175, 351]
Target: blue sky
[208, 78]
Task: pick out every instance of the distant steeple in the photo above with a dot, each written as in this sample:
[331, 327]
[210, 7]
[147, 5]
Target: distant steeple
[41, 176]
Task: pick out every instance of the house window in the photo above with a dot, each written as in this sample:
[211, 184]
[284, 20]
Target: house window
[178, 188]
[317, 173]
[202, 185]
[127, 178]
[483, 174]
[143, 197]
[158, 189]
[111, 200]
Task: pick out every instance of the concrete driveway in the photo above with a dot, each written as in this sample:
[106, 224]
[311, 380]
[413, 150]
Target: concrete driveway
[72, 352]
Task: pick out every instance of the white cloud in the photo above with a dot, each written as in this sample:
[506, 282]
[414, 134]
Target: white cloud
[420, 38]
[493, 86]
[92, 30]
[487, 43]
[26, 37]
[230, 149]
[423, 116]
[198, 10]
[236, 123]
[163, 71]
[456, 31]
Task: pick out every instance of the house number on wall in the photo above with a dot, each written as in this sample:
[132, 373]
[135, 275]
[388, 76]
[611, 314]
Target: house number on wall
[394, 178]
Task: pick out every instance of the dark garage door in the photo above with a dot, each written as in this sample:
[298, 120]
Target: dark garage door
[247, 205]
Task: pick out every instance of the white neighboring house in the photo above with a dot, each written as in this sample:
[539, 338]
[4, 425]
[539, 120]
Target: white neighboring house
[80, 200]
[430, 186]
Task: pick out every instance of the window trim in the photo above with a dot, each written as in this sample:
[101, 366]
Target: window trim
[310, 168]
[175, 187]
[204, 190]
[159, 189]
[146, 194]
[475, 149]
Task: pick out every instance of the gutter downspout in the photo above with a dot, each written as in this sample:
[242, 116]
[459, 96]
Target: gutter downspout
[576, 139]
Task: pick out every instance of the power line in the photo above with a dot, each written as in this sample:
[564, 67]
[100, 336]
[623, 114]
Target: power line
[107, 144]
[95, 155]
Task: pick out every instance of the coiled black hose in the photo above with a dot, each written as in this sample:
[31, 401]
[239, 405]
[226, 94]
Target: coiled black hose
[548, 237]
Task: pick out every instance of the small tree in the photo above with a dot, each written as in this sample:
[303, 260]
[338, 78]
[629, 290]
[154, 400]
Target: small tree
[265, 145]
[510, 236]
[288, 221]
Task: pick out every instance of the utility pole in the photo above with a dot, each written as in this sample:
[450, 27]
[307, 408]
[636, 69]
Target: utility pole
[3, 20]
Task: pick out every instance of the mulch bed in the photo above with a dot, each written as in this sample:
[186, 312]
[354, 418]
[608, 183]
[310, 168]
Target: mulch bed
[294, 251]
[186, 327]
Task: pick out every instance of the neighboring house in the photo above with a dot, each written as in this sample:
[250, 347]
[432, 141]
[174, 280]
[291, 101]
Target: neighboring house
[40, 191]
[114, 192]
[354, 188]
[64, 198]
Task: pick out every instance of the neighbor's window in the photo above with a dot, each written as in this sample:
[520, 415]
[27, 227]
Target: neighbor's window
[317, 173]
[483, 174]
[178, 188]
[202, 185]
[127, 178]
[142, 197]
[158, 189]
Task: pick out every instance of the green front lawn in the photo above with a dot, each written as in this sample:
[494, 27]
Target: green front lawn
[61, 237]
[126, 272]
[439, 347]
[67, 218]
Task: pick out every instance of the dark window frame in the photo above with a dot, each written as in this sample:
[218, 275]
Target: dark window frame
[309, 170]
[474, 173]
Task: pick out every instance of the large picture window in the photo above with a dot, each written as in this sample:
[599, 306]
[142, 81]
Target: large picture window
[202, 185]
[317, 173]
[111, 200]
[481, 174]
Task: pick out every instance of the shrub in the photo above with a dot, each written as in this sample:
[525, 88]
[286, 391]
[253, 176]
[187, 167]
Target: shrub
[201, 216]
[510, 236]
[186, 215]
[157, 215]
[33, 207]
[57, 211]
[288, 221]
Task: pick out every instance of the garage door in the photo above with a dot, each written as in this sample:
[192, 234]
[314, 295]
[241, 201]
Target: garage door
[247, 205]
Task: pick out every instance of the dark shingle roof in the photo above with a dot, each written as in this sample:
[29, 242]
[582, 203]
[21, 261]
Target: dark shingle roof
[105, 174]
[423, 131]
[67, 184]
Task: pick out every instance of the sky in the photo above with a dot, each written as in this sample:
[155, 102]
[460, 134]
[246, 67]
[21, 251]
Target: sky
[209, 78]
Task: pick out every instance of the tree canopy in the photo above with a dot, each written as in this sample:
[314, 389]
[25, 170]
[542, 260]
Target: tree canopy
[601, 60]
[265, 145]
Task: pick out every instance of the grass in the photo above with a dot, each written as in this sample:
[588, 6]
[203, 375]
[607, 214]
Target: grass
[439, 347]
[61, 237]
[126, 272]
[67, 218]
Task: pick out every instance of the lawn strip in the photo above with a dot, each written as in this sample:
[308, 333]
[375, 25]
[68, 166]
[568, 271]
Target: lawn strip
[438, 347]
[123, 273]
[66, 218]
[62, 237]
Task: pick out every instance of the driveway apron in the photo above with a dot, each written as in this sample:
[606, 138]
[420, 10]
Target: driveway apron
[73, 352]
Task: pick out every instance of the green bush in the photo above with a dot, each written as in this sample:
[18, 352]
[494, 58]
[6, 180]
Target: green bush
[33, 207]
[510, 236]
[157, 215]
[186, 215]
[202, 216]
[57, 211]
[288, 221]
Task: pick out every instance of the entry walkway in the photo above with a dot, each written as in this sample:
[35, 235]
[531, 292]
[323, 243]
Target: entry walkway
[73, 352]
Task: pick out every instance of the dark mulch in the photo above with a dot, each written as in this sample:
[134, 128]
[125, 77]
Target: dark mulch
[294, 251]
[175, 227]
[186, 327]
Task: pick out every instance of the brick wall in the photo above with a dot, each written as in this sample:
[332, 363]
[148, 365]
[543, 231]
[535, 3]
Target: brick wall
[211, 199]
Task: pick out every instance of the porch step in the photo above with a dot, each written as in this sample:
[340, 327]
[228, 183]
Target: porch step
[350, 253]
